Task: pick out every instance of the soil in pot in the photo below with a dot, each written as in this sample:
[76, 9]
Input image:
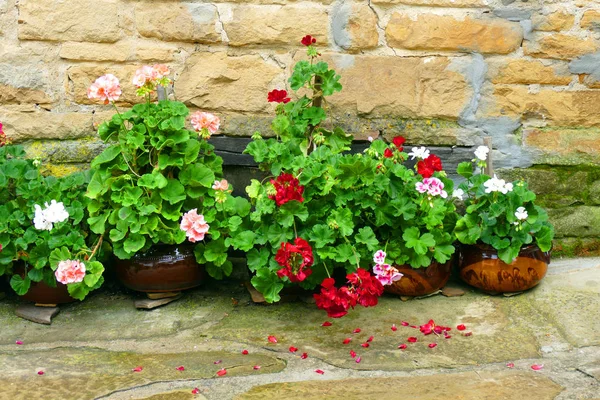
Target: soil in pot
[479, 266]
[421, 281]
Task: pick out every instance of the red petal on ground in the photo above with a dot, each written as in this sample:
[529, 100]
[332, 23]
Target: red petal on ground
[365, 345]
[244, 352]
[468, 334]
[180, 368]
[432, 345]
[304, 356]
[19, 342]
[222, 372]
[272, 339]
[412, 339]
[414, 326]
[370, 339]
[319, 371]
[447, 336]
[326, 323]
[40, 372]
[394, 328]
[195, 391]
[461, 327]
[218, 362]
[138, 369]
[256, 367]
[358, 359]
[402, 346]
[357, 330]
[404, 323]
[537, 367]
[293, 349]
[510, 365]
[352, 354]
[347, 340]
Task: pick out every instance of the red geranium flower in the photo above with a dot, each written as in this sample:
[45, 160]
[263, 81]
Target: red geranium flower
[335, 301]
[287, 188]
[398, 142]
[278, 96]
[428, 166]
[308, 40]
[295, 259]
[366, 286]
[388, 153]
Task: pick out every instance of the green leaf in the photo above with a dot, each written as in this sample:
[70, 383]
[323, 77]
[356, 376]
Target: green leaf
[367, 237]
[133, 243]
[153, 180]
[268, 283]
[465, 169]
[91, 279]
[342, 219]
[257, 259]
[244, 241]
[58, 255]
[197, 175]
[20, 285]
[322, 235]
[174, 192]
[443, 253]
[35, 275]
[109, 154]
[420, 244]
[345, 253]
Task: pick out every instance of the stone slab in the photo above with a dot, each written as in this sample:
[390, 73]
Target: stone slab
[40, 315]
[156, 296]
[149, 304]
[470, 385]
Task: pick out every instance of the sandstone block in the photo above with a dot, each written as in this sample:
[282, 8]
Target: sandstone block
[565, 146]
[354, 26]
[185, 21]
[20, 95]
[26, 125]
[554, 22]
[559, 46]
[57, 20]
[526, 72]
[438, 32]
[278, 25]
[591, 19]
[119, 52]
[436, 3]
[216, 81]
[582, 221]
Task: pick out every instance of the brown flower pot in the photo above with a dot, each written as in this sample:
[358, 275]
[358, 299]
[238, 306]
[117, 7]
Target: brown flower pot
[480, 266]
[421, 281]
[162, 268]
[40, 293]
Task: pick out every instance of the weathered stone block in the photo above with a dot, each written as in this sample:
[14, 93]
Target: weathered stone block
[65, 151]
[274, 24]
[591, 19]
[82, 76]
[557, 21]
[526, 72]
[438, 32]
[559, 46]
[583, 221]
[436, 3]
[564, 146]
[121, 51]
[354, 26]
[57, 20]
[216, 81]
[23, 125]
[178, 21]
[20, 95]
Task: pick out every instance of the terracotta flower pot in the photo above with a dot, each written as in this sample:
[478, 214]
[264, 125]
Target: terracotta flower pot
[41, 293]
[480, 266]
[421, 281]
[163, 268]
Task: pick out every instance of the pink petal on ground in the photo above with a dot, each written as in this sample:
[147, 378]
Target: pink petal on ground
[19, 342]
[404, 323]
[432, 345]
[402, 346]
[510, 365]
[138, 369]
[293, 349]
[40, 372]
[272, 339]
[412, 339]
[347, 340]
[370, 339]
[357, 330]
[244, 352]
[461, 327]
[222, 372]
[326, 323]
[358, 359]
[394, 328]
[319, 371]
[195, 391]
[256, 367]
[218, 362]
[180, 368]
[352, 354]
[537, 367]
[365, 345]
[304, 356]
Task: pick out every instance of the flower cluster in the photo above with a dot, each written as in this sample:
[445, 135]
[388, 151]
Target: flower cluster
[278, 96]
[363, 289]
[521, 214]
[308, 40]
[147, 78]
[295, 259]
[205, 123]
[287, 188]
[194, 225]
[70, 271]
[497, 185]
[106, 89]
[3, 139]
[398, 141]
[481, 153]
[432, 186]
[44, 219]
[419, 153]
[430, 327]
[385, 273]
[429, 165]
[221, 185]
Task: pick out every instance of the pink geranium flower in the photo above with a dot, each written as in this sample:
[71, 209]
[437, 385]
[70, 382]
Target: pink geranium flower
[144, 75]
[203, 120]
[70, 271]
[222, 185]
[106, 89]
[160, 71]
[386, 274]
[194, 225]
[431, 186]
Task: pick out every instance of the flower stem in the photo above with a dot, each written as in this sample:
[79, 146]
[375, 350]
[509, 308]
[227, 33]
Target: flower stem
[326, 270]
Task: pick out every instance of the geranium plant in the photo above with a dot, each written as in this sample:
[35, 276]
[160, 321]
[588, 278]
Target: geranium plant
[43, 233]
[159, 182]
[499, 213]
[323, 209]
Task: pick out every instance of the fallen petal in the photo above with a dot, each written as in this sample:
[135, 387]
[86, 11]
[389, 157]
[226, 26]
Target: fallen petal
[412, 339]
[19, 342]
[365, 345]
[394, 328]
[272, 339]
[180, 368]
[447, 336]
[195, 391]
[319, 371]
[222, 372]
[244, 352]
[40, 372]
[326, 323]
[461, 327]
[402, 346]
[347, 340]
[357, 330]
[537, 367]
[352, 354]
[438, 330]
[468, 334]
[432, 345]
[304, 356]
[138, 369]
[414, 326]
[358, 359]
[218, 362]
[293, 349]
[404, 323]
[510, 365]
[370, 339]
[256, 367]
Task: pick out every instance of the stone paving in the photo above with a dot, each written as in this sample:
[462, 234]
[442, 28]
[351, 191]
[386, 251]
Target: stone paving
[91, 348]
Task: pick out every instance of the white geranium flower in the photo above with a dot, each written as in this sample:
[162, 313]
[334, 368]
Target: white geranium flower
[458, 194]
[419, 152]
[370, 139]
[55, 212]
[508, 188]
[481, 152]
[494, 185]
[521, 214]
[39, 220]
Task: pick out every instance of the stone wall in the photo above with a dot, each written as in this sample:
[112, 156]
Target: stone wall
[440, 72]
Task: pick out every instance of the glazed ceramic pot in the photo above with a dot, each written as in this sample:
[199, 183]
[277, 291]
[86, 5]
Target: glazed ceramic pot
[480, 266]
[40, 293]
[163, 268]
[421, 281]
